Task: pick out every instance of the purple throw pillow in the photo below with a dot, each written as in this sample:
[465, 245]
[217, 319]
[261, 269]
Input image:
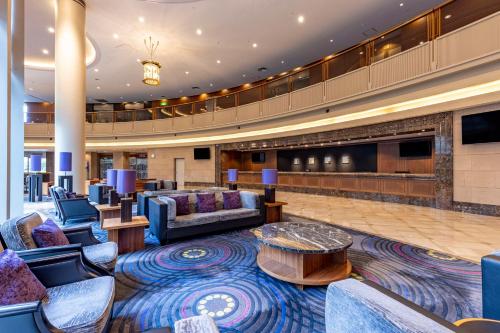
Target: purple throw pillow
[205, 202]
[232, 200]
[181, 204]
[49, 234]
[18, 284]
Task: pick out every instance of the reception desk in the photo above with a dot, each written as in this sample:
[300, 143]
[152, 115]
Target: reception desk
[394, 187]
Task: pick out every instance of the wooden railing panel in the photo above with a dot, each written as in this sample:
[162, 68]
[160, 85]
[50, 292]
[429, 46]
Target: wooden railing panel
[249, 111]
[163, 125]
[275, 105]
[227, 116]
[203, 120]
[307, 97]
[183, 123]
[349, 84]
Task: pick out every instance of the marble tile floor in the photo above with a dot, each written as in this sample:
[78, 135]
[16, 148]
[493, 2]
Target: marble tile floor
[467, 236]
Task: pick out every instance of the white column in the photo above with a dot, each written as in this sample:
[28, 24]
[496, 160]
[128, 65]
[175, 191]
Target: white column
[70, 88]
[11, 108]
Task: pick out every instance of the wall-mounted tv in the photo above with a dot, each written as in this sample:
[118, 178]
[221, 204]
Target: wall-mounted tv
[421, 148]
[481, 128]
[258, 157]
[201, 153]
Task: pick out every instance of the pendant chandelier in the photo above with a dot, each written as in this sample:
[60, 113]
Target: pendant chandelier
[151, 67]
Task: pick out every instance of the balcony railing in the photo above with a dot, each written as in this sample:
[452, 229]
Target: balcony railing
[373, 65]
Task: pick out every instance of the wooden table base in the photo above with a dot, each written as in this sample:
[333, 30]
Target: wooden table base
[304, 269]
[128, 240]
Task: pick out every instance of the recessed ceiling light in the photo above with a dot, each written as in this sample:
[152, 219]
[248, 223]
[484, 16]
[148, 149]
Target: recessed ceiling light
[186, 72]
[447, 17]
[254, 45]
[45, 51]
[421, 42]
[128, 84]
[218, 61]
[199, 32]
[96, 70]
[141, 19]
[284, 73]
[51, 30]
[138, 60]
[211, 84]
[331, 40]
[401, 4]
[361, 52]
[282, 61]
[151, 95]
[382, 37]
[297, 68]
[115, 36]
[98, 88]
[300, 19]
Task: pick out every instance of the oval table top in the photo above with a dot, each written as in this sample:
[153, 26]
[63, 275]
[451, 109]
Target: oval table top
[303, 237]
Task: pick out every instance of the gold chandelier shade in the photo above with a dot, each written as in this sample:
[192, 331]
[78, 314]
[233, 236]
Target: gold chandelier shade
[151, 72]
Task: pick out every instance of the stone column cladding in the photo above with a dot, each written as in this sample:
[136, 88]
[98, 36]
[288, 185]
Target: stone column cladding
[70, 87]
[11, 107]
[441, 124]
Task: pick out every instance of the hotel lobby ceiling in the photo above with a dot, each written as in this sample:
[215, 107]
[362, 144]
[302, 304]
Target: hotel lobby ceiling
[206, 43]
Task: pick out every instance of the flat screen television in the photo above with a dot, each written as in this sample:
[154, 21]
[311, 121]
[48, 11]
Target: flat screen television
[201, 153]
[481, 128]
[258, 157]
[422, 148]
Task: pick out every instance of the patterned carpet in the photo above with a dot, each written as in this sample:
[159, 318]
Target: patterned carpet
[218, 275]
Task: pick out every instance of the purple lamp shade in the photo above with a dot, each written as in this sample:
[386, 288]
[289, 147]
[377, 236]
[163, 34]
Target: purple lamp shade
[232, 175]
[125, 181]
[269, 176]
[111, 177]
[65, 161]
[36, 163]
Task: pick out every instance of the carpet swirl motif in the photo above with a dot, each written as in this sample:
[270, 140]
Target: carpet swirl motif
[217, 275]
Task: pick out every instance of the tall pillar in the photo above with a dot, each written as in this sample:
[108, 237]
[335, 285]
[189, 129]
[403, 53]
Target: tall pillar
[70, 87]
[121, 160]
[11, 108]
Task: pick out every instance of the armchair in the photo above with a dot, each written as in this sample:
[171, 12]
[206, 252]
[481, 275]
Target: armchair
[77, 299]
[99, 193]
[75, 209]
[98, 257]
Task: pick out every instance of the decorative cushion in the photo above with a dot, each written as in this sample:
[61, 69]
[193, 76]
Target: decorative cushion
[232, 199]
[82, 307]
[49, 234]
[70, 195]
[171, 210]
[249, 200]
[17, 231]
[238, 213]
[219, 200]
[61, 194]
[103, 254]
[196, 324]
[181, 204]
[17, 283]
[206, 202]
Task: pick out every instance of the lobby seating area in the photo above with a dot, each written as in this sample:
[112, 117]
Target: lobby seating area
[250, 166]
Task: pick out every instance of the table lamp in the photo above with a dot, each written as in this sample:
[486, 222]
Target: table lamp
[125, 184]
[65, 164]
[270, 180]
[232, 178]
[111, 181]
[35, 163]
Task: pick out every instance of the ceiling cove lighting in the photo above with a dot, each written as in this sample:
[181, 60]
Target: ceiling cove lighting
[449, 96]
[151, 67]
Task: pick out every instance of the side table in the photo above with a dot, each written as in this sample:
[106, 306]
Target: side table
[128, 235]
[107, 212]
[274, 211]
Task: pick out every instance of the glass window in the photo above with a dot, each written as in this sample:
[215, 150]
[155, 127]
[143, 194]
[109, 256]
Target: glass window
[104, 117]
[225, 102]
[307, 77]
[89, 117]
[249, 96]
[141, 115]
[459, 13]
[139, 163]
[347, 62]
[276, 88]
[404, 38]
[183, 110]
[163, 113]
[105, 163]
[123, 116]
[204, 106]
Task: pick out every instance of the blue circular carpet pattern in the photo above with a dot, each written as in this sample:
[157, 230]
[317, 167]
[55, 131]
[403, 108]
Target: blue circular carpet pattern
[217, 275]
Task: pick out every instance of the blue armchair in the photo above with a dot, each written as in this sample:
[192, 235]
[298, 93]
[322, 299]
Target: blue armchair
[77, 299]
[96, 256]
[74, 209]
[490, 266]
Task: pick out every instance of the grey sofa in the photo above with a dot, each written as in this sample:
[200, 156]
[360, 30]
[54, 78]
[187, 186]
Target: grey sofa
[167, 227]
[354, 306]
[16, 233]
[143, 198]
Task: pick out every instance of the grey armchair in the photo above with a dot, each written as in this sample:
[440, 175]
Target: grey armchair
[77, 299]
[16, 234]
[74, 208]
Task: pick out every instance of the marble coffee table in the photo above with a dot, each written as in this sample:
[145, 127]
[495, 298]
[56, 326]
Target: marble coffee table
[303, 253]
